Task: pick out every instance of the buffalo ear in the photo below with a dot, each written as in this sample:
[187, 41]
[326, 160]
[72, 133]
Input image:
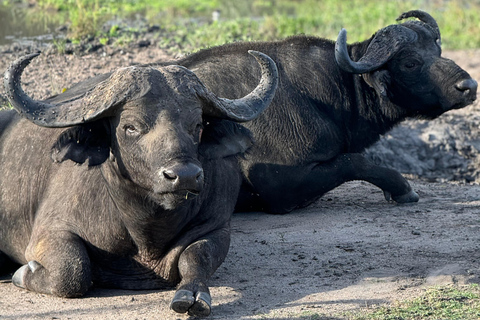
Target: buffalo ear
[379, 80]
[88, 143]
[223, 138]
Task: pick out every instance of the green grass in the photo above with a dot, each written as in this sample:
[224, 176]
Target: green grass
[437, 303]
[460, 27]
[4, 104]
[185, 24]
[446, 303]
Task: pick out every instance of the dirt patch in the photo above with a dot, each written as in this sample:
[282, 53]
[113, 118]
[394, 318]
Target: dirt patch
[348, 250]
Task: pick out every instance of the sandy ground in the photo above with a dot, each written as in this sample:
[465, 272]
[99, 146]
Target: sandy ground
[349, 250]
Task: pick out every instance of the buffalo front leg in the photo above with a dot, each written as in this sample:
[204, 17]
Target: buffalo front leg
[58, 264]
[394, 185]
[196, 264]
[354, 166]
[280, 189]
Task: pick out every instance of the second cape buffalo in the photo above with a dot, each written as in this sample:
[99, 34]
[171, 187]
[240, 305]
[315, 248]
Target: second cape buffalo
[132, 185]
[333, 101]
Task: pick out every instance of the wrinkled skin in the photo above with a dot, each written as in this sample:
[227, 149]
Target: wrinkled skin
[311, 138]
[139, 199]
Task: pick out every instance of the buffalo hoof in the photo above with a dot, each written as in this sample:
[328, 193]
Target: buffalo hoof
[411, 196]
[19, 275]
[198, 306]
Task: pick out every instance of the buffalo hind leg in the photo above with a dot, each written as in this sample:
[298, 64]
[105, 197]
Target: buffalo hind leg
[58, 265]
[196, 264]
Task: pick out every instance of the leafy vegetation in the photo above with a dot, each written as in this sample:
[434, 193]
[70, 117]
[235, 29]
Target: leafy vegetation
[187, 24]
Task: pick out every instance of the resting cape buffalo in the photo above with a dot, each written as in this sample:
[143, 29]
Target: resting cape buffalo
[333, 101]
[130, 186]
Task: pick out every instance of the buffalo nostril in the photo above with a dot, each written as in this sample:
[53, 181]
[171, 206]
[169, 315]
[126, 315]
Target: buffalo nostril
[199, 175]
[468, 86]
[170, 175]
[183, 176]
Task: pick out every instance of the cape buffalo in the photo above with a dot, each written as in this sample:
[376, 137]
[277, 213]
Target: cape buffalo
[141, 188]
[333, 101]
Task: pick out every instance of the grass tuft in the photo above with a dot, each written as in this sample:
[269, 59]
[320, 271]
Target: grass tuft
[453, 303]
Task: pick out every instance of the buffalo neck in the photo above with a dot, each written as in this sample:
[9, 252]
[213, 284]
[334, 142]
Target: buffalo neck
[368, 115]
[150, 226]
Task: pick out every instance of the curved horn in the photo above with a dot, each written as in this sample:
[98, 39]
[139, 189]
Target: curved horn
[42, 113]
[343, 58]
[250, 106]
[425, 18]
[382, 47]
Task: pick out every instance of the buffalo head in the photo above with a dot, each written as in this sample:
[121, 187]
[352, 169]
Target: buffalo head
[147, 123]
[403, 64]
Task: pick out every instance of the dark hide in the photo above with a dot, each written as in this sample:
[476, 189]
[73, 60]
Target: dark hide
[108, 210]
[310, 139]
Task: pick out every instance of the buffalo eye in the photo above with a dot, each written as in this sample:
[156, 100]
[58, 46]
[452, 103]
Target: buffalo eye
[410, 65]
[131, 130]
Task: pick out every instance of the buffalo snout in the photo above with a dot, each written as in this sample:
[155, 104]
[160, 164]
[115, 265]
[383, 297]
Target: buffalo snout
[468, 87]
[182, 176]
